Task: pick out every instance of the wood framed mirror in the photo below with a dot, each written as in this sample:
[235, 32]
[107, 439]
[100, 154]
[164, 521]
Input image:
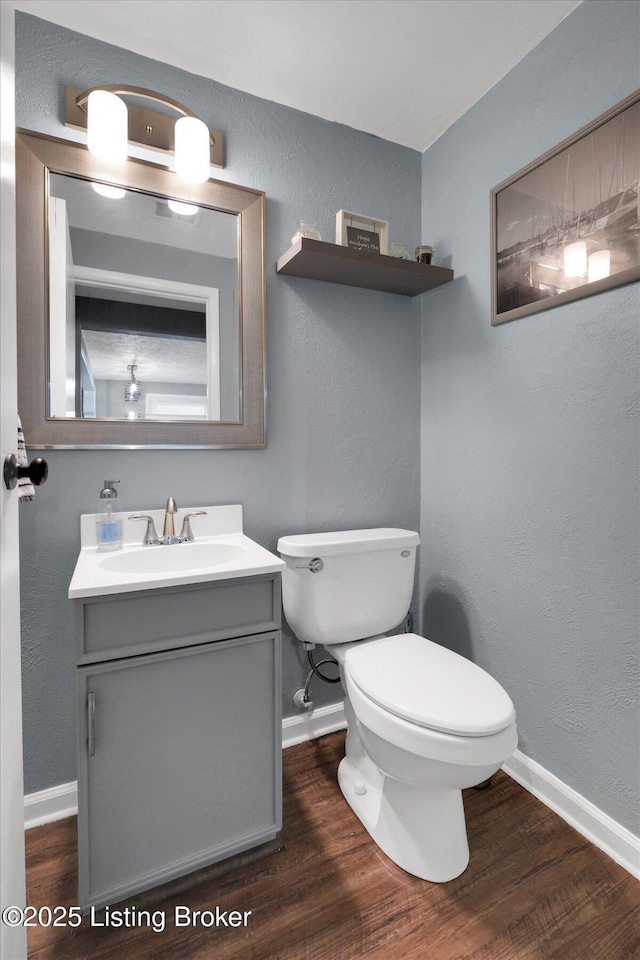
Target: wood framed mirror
[141, 304]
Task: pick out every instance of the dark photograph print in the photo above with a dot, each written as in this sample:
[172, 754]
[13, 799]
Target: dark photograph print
[568, 225]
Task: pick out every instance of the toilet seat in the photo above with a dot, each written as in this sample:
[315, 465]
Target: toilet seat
[425, 742]
[428, 685]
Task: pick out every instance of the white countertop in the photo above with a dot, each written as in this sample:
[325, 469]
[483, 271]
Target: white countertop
[96, 573]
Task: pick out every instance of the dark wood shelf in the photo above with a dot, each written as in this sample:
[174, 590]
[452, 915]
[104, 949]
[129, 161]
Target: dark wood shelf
[317, 260]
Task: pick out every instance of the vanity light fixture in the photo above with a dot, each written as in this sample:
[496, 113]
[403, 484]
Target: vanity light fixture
[182, 209]
[106, 190]
[107, 126]
[110, 123]
[192, 149]
[132, 388]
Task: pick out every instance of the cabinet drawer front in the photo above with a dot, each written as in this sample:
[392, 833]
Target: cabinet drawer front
[130, 624]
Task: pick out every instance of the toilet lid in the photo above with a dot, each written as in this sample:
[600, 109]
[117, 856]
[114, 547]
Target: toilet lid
[429, 685]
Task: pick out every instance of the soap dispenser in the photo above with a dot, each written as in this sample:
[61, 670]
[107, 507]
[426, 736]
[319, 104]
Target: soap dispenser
[108, 520]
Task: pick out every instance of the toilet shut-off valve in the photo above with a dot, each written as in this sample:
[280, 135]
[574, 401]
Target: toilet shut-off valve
[300, 701]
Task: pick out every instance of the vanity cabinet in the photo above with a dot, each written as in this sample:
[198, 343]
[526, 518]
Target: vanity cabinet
[179, 731]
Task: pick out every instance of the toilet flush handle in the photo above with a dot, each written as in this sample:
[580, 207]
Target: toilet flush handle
[314, 566]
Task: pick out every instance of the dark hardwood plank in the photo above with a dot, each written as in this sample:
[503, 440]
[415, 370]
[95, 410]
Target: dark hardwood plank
[534, 889]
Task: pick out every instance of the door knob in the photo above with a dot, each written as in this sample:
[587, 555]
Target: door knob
[37, 471]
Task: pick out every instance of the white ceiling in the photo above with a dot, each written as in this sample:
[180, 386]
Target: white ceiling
[403, 70]
[158, 359]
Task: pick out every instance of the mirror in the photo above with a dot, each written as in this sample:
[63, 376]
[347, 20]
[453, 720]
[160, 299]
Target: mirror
[140, 304]
[151, 286]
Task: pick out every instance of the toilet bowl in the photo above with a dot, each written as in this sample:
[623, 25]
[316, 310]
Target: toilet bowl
[412, 804]
[423, 723]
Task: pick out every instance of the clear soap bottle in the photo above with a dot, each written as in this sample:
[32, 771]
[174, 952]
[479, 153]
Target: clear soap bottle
[108, 520]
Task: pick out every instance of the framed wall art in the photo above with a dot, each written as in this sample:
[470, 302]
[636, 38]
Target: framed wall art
[568, 225]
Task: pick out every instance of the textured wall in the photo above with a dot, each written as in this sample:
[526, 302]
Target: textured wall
[530, 436]
[343, 369]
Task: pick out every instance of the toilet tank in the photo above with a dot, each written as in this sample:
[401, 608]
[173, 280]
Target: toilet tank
[364, 587]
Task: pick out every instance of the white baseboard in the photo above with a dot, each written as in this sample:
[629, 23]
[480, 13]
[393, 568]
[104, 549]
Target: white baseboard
[598, 827]
[52, 804]
[311, 726]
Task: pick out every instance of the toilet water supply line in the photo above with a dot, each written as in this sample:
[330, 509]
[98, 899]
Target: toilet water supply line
[301, 697]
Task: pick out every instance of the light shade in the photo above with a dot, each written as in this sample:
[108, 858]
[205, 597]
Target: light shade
[192, 149]
[575, 259]
[182, 209]
[107, 126]
[599, 265]
[112, 193]
[132, 387]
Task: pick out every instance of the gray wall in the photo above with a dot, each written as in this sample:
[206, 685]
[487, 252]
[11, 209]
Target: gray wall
[530, 436]
[343, 369]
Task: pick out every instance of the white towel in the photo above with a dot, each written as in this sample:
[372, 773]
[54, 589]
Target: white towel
[25, 487]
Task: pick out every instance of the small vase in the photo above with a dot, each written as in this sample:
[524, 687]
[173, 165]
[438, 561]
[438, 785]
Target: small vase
[399, 251]
[306, 228]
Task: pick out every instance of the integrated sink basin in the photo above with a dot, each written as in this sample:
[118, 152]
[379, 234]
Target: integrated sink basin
[179, 556]
[220, 551]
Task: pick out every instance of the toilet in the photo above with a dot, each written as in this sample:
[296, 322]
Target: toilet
[423, 723]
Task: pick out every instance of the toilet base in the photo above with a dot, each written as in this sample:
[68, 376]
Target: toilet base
[421, 828]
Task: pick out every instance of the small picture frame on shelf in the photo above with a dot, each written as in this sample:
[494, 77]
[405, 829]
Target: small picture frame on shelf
[358, 232]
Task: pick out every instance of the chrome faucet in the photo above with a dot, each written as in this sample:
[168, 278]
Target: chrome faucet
[168, 532]
[168, 537]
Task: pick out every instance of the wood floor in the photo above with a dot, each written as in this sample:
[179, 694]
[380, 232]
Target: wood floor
[534, 889]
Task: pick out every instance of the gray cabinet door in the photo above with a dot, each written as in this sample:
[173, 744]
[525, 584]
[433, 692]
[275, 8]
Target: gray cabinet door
[185, 764]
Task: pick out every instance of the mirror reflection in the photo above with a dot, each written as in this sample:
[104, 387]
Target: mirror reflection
[143, 306]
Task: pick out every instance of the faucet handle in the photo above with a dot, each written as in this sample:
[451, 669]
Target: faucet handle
[151, 537]
[186, 534]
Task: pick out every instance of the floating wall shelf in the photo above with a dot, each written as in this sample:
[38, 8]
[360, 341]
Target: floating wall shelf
[317, 260]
